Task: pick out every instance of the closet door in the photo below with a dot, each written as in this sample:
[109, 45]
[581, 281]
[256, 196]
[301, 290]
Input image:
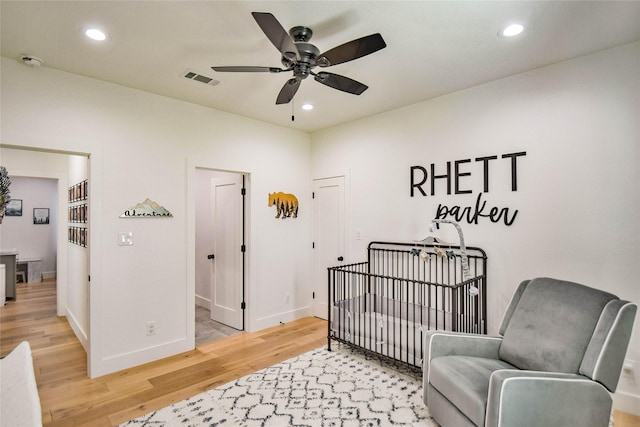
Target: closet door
[328, 236]
[226, 291]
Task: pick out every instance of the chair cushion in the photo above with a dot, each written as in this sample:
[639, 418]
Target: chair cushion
[464, 381]
[551, 325]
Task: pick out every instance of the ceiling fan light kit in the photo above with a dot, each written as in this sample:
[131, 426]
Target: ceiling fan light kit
[301, 57]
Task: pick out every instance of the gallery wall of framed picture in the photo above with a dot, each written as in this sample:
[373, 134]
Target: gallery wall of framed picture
[79, 213]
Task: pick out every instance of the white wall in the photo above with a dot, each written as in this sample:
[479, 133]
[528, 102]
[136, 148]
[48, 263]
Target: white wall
[578, 197]
[146, 146]
[19, 232]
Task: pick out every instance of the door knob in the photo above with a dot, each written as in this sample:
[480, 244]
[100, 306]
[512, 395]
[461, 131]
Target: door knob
[210, 256]
[340, 258]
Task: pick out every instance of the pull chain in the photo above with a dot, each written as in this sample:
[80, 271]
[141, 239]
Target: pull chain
[293, 119]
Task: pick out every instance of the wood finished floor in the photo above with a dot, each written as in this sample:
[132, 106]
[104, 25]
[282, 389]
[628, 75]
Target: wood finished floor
[69, 398]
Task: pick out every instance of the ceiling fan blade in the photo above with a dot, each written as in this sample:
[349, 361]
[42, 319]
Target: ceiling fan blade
[288, 91]
[342, 83]
[247, 69]
[351, 50]
[278, 35]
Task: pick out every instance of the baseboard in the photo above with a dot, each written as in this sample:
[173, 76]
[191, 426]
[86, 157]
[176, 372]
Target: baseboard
[48, 275]
[626, 402]
[77, 329]
[203, 302]
[117, 362]
[284, 317]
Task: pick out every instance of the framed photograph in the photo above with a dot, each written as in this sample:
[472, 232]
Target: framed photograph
[13, 208]
[41, 215]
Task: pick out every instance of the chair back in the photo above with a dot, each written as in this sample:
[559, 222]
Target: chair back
[559, 326]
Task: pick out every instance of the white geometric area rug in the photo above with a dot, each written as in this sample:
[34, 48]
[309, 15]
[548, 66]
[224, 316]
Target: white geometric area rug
[342, 387]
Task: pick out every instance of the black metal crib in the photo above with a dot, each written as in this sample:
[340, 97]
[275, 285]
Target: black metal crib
[385, 304]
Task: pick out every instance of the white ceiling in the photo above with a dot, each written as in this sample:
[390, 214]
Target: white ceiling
[433, 47]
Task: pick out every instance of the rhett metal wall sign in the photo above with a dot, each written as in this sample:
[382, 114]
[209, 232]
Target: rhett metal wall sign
[423, 183]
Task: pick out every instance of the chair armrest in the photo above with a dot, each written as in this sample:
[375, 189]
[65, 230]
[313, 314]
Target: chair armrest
[445, 343]
[531, 398]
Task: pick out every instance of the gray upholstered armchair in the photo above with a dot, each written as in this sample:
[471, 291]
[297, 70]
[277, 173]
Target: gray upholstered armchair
[557, 359]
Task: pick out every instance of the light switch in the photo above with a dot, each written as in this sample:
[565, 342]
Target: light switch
[125, 238]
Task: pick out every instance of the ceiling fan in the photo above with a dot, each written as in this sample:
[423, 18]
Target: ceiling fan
[301, 57]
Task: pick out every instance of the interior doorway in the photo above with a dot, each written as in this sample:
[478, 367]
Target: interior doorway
[72, 260]
[220, 253]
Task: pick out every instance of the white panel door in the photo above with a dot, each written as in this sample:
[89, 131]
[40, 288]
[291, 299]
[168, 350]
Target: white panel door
[328, 237]
[226, 291]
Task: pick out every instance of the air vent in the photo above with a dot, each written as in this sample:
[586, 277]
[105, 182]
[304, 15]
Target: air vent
[192, 75]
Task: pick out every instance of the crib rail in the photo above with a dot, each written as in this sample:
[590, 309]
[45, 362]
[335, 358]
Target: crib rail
[385, 305]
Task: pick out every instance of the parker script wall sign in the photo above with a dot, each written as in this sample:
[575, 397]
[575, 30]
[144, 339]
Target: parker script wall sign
[146, 209]
[423, 181]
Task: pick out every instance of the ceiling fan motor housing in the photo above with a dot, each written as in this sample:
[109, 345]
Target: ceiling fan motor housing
[300, 34]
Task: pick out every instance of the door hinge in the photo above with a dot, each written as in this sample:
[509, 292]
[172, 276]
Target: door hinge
[243, 191]
[313, 295]
[243, 305]
[89, 278]
[243, 248]
[313, 194]
[313, 245]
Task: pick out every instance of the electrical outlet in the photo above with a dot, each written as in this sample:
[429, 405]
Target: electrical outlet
[151, 328]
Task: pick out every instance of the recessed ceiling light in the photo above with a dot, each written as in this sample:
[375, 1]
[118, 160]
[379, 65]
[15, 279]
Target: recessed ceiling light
[307, 107]
[511, 30]
[95, 34]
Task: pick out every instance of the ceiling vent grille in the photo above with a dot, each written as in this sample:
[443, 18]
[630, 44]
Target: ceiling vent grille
[192, 75]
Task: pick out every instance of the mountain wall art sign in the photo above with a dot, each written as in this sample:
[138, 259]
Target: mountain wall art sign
[146, 209]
